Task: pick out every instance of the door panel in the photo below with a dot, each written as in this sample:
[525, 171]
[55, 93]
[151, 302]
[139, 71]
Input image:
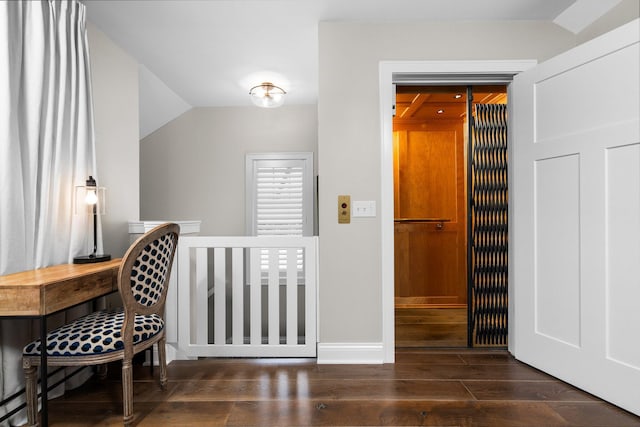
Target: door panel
[430, 225]
[422, 249]
[576, 216]
[557, 190]
[623, 246]
[427, 187]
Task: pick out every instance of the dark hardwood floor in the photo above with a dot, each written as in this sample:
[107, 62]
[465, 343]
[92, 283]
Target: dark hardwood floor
[423, 388]
[427, 327]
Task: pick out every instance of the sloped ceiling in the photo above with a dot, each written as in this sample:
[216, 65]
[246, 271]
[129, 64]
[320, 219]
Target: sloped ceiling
[210, 52]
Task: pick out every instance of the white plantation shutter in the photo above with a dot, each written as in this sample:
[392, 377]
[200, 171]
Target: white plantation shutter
[279, 194]
[279, 198]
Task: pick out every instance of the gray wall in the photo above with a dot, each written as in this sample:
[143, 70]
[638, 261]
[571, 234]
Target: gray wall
[193, 167]
[623, 12]
[114, 76]
[349, 144]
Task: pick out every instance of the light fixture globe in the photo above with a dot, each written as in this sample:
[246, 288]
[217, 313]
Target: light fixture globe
[267, 95]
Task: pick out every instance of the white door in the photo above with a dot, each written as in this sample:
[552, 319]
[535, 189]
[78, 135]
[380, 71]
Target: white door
[576, 216]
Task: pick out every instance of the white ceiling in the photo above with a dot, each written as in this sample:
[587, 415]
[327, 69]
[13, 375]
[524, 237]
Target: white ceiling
[210, 52]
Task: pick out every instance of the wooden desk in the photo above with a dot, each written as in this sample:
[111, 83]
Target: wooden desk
[38, 293]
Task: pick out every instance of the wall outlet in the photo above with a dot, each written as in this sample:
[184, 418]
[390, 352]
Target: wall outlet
[365, 208]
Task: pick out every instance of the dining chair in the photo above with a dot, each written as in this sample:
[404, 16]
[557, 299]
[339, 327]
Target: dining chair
[110, 335]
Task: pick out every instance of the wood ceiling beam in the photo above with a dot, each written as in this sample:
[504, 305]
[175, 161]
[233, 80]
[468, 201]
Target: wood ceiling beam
[416, 104]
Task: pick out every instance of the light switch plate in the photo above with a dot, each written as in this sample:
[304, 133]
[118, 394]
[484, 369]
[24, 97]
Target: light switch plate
[344, 209]
[366, 208]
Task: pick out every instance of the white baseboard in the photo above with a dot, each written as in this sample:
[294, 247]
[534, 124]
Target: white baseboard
[328, 354]
[172, 353]
[350, 353]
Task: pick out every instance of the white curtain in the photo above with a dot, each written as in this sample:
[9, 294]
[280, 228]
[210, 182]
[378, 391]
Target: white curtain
[46, 149]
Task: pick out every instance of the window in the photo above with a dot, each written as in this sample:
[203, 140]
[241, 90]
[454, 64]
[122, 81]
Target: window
[279, 191]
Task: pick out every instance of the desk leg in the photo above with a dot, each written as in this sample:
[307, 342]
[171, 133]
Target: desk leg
[43, 371]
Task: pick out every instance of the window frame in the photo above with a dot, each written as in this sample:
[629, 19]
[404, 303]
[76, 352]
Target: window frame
[253, 160]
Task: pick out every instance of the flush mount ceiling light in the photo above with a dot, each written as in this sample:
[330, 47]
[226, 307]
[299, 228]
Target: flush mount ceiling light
[267, 95]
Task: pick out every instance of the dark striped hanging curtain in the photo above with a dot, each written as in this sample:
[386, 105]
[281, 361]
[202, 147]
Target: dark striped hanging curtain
[489, 225]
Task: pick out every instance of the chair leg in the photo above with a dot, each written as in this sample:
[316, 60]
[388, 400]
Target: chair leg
[102, 371]
[31, 391]
[162, 361]
[127, 392]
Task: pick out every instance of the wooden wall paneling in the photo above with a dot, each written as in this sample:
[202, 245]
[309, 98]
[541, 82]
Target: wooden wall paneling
[430, 211]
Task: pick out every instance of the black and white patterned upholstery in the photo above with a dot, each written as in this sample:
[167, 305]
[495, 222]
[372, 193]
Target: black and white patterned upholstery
[94, 334]
[149, 271]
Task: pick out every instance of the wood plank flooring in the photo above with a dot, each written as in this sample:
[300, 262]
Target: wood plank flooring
[430, 327]
[423, 388]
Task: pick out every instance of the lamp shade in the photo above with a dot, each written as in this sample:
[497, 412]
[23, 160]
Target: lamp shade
[90, 199]
[267, 95]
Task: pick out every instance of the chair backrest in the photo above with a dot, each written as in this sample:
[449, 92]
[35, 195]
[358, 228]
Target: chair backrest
[143, 278]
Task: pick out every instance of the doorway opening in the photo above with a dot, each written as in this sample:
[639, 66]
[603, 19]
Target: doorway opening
[450, 215]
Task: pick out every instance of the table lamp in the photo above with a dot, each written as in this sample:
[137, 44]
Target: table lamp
[93, 198]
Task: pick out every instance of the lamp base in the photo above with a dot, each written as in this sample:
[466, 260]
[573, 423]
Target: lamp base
[87, 259]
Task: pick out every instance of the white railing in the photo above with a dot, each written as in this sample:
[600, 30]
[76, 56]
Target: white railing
[247, 296]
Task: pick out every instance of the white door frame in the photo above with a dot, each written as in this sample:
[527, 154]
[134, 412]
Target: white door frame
[425, 72]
